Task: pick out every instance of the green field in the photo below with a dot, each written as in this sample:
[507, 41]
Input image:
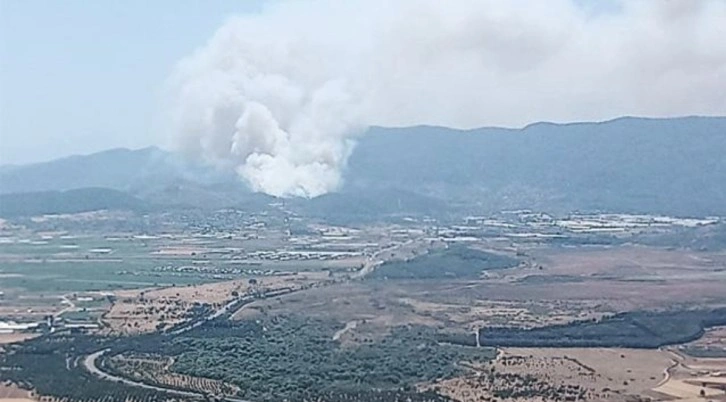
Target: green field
[97, 263]
[54, 266]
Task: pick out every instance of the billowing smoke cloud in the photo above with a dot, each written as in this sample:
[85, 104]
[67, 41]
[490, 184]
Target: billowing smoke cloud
[281, 96]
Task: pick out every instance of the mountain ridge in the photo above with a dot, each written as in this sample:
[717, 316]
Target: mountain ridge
[158, 149]
[634, 164]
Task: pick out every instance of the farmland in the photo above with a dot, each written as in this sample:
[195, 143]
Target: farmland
[371, 312]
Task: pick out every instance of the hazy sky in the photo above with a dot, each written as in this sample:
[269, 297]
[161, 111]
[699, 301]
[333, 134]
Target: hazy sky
[254, 90]
[81, 75]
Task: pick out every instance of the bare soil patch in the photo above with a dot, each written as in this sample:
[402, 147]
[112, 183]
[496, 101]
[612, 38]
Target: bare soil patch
[15, 337]
[11, 393]
[631, 261]
[528, 374]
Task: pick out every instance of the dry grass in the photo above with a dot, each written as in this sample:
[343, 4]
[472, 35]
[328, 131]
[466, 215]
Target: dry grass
[582, 280]
[139, 311]
[596, 374]
[15, 337]
[11, 393]
[613, 367]
[629, 261]
[573, 285]
[694, 378]
[377, 307]
[375, 310]
[484, 313]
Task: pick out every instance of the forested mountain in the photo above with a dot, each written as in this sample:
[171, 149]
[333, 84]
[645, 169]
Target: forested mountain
[629, 164]
[674, 166]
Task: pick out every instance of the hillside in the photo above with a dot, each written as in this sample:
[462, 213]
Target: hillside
[673, 166]
[67, 202]
[120, 168]
[629, 164]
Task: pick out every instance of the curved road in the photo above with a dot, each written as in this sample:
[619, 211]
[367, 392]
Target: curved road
[90, 361]
[675, 362]
[90, 364]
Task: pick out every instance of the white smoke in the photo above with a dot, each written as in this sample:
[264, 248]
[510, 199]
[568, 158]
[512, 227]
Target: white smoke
[280, 96]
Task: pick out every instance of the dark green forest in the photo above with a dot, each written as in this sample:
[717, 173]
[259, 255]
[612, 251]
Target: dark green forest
[287, 356]
[638, 329]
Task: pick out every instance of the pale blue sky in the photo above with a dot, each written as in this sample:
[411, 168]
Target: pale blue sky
[78, 76]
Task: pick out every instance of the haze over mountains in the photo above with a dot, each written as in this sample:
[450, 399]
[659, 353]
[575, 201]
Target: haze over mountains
[673, 166]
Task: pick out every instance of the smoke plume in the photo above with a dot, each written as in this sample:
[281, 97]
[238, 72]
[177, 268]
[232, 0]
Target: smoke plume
[281, 96]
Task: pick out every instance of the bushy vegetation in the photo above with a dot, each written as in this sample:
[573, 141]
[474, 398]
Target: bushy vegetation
[294, 358]
[455, 262]
[522, 386]
[640, 329]
[283, 357]
[152, 369]
[52, 366]
[705, 352]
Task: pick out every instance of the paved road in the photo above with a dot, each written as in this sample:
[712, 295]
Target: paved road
[69, 306]
[90, 361]
[224, 310]
[90, 364]
[374, 261]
